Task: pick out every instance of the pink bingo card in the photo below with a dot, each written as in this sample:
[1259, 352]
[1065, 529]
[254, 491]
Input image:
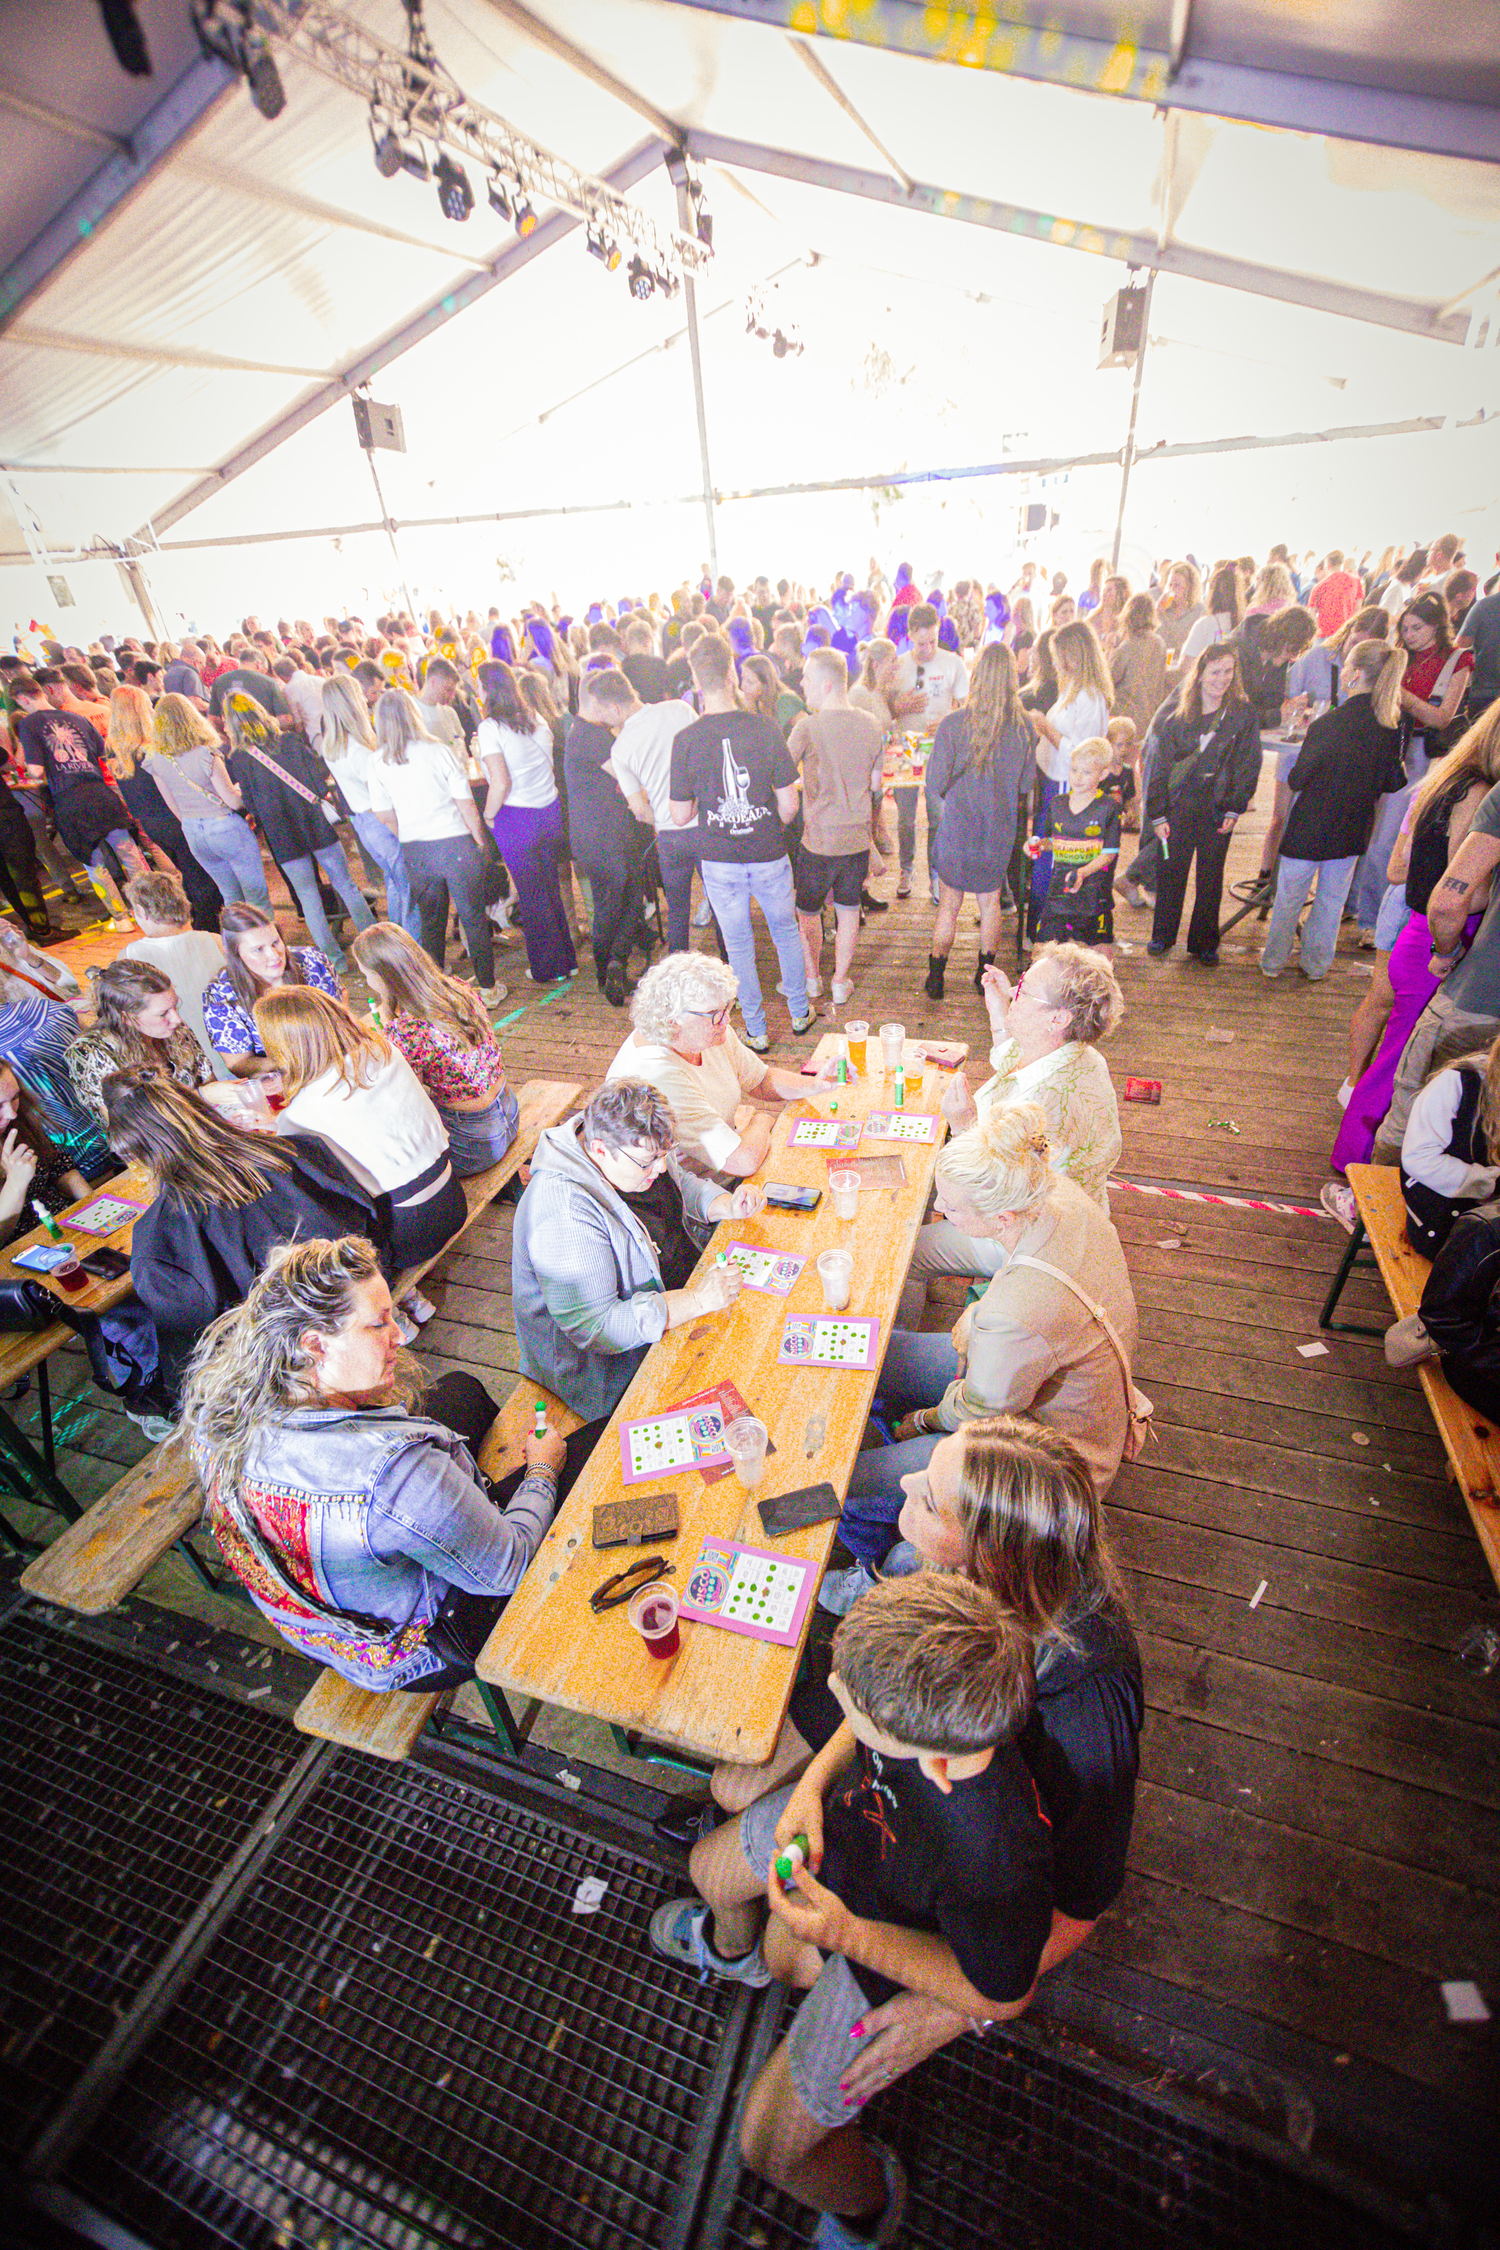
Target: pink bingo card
[900, 1125]
[747, 1590]
[106, 1214]
[829, 1340]
[686, 1437]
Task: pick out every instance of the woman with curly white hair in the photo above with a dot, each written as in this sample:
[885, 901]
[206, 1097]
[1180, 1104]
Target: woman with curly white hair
[1033, 1344]
[683, 1045]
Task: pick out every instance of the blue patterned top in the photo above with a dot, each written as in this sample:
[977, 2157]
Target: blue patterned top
[231, 1027]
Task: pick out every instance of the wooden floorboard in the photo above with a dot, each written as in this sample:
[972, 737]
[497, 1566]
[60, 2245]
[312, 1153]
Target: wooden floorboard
[1319, 1826]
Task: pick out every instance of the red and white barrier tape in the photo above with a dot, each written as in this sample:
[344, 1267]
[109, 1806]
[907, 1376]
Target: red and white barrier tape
[1231, 1202]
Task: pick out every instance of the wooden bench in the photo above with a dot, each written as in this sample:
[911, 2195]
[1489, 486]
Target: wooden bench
[388, 1724]
[105, 1553]
[1471, 1443]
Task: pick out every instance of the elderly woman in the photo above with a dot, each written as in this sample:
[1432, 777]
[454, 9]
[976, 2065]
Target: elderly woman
[136, 1020]
[602, 1251]
[682, 1044]
[344, 1498]
[1030, 1344]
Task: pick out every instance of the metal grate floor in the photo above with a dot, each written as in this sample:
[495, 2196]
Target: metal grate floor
[409, 2036]
[1011, 2148]
[122, 1794]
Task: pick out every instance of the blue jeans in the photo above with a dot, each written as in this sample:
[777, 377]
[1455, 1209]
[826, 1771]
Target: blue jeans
[1370, 878]
[226, 850]
[916, 1372]
[302, 875]
[730, 887]
[381, 847]
[1320, 937]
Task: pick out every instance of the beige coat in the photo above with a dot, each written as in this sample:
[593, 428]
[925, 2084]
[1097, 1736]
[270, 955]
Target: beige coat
[1034, 1349]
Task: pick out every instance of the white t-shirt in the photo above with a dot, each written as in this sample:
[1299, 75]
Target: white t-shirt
[304, 692]
[1204, 634]
[387, 1131]
[352, 773]
[642, 756]
[192, 960]
[424, 794]
[528, 761]
[1086, 715]
[944, 683]
[702, 1096]
[1394, 597]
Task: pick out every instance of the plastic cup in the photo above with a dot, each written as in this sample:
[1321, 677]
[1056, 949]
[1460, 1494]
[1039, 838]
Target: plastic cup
[653, 1613]
[71, 1276]
[913, 1079]
[836, 1272]
[855, 1035]
[745, 1443]
[844, 1188]
[892, 1042]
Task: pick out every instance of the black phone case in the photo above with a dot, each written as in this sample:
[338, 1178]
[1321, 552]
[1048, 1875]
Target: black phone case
[793, 1511]
[106, 1264]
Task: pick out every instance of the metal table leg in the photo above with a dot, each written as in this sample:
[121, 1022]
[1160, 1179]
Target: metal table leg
[49, 1486]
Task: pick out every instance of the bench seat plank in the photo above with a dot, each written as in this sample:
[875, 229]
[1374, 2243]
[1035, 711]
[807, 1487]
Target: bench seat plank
[101, 1558]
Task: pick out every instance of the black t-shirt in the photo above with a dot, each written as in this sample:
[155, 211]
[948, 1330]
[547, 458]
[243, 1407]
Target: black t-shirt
[243, 681]
[1082, 1745]
[1120, 786]
[679, 679]
[600, 823]
[66, 746]
[975, 1865]
[292, 827]
[648, 676]
[659, 1209]
[731, 764]
[1075, 838]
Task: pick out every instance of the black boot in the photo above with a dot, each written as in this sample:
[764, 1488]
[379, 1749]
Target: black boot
[986, 961]
[936, 964]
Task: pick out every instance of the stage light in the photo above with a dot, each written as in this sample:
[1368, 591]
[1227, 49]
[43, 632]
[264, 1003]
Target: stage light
[705, 228]
[454, 192]
[667, 282]
[499, 200]
[387, 149]
[599, 246]
[263, 78]
[414, 161]
[778, 345]
[525, 217]
[642, 280]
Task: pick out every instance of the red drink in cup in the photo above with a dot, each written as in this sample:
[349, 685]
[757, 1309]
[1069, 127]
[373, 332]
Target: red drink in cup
[71, 1276]
[653, 1613]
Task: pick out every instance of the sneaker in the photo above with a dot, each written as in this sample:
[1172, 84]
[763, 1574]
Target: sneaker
[418, 1308]
[156, 1426]
[757, 1042]
[841, 1589]
[1366, 941]
[841, 994]
[802, 1025]
[834, 2233]
[814, 989]
[679, 1932]
[406, 1329]
[872, 904]
[1342, 1097]
[1154, 947]
[614, 984]
[703, 914]
[1407, 1342]
[493, 994]
[1338, 1201]
[1268, 973]
[903, 886]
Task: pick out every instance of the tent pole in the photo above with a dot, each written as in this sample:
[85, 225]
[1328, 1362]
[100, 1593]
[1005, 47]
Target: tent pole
[1128, 456]
[390, 531]
[690, 292]
[141, 591]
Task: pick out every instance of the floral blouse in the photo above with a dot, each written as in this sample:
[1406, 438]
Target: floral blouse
[93, 1057]
[450, 1071]
[1077, 1097]
[231, 1027]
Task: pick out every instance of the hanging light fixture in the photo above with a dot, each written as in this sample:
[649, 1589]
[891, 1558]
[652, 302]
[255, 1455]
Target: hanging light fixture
[642, 280]
[601, 247]
[525, 217]
[455, 194]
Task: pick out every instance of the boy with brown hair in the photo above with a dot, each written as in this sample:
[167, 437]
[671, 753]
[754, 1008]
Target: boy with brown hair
[928, 1868]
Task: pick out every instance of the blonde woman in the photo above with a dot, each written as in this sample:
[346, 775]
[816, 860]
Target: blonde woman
[1079, 712]
[1180, 605]
[1274, 589]
[188, 768]
[345, 1082]
[982, 760]
[424, 798]
[347, 744]
[1213, 624]
[1030, 1345]
[130, 741]
[446, 1036]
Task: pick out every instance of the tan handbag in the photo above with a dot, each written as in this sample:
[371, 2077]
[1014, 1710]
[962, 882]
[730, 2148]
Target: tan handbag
[1139, 1409]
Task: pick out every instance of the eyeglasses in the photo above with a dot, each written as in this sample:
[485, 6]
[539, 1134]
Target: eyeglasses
[616, 1591]
[714, 1016]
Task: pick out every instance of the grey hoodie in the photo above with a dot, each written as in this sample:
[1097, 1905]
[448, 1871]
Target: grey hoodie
[585, 1277]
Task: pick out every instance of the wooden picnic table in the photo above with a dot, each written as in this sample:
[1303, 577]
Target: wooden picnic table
[724, 1695]
[27, 1352]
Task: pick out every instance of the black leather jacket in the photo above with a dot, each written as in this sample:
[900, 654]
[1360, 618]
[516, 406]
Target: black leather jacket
[1460, 1312]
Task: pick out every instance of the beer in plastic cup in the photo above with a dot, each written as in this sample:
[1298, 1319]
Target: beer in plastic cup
[653, 1613]
[855, 1035]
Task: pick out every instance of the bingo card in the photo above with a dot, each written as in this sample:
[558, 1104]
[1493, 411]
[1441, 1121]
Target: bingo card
[900, 1125]
[824, 1132]
[685, 1439]
[747, 1590]
[829, 1340]
[774, 1271]
[105, 1214]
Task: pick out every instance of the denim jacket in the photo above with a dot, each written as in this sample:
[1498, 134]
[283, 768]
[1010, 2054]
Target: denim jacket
[369, 1516]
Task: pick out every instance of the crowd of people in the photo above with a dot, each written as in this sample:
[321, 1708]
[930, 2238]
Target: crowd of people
[961, 1748]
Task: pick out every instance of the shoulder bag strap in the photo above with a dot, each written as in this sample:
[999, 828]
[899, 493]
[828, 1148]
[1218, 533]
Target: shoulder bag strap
[290, 781]
[1091, 1305]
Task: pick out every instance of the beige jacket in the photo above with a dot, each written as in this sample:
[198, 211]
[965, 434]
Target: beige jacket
[1034, 1349]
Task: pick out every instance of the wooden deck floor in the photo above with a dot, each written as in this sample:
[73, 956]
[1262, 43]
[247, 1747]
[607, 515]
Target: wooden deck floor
[1318, 1836]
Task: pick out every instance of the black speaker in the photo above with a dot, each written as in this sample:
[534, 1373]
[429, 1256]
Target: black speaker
[1036, 516]
[1123, 329]
[378, 426]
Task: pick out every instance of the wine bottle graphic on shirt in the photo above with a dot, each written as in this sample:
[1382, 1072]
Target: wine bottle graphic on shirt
[735, 810]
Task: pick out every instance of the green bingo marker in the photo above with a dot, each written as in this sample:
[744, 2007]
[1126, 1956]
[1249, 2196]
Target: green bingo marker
[540, 1429]
[791, 1857]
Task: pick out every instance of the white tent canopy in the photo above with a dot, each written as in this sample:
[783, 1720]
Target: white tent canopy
[938, 233]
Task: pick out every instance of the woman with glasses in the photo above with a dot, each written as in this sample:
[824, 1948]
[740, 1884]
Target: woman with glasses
[606, 1238]
[684, 1046]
